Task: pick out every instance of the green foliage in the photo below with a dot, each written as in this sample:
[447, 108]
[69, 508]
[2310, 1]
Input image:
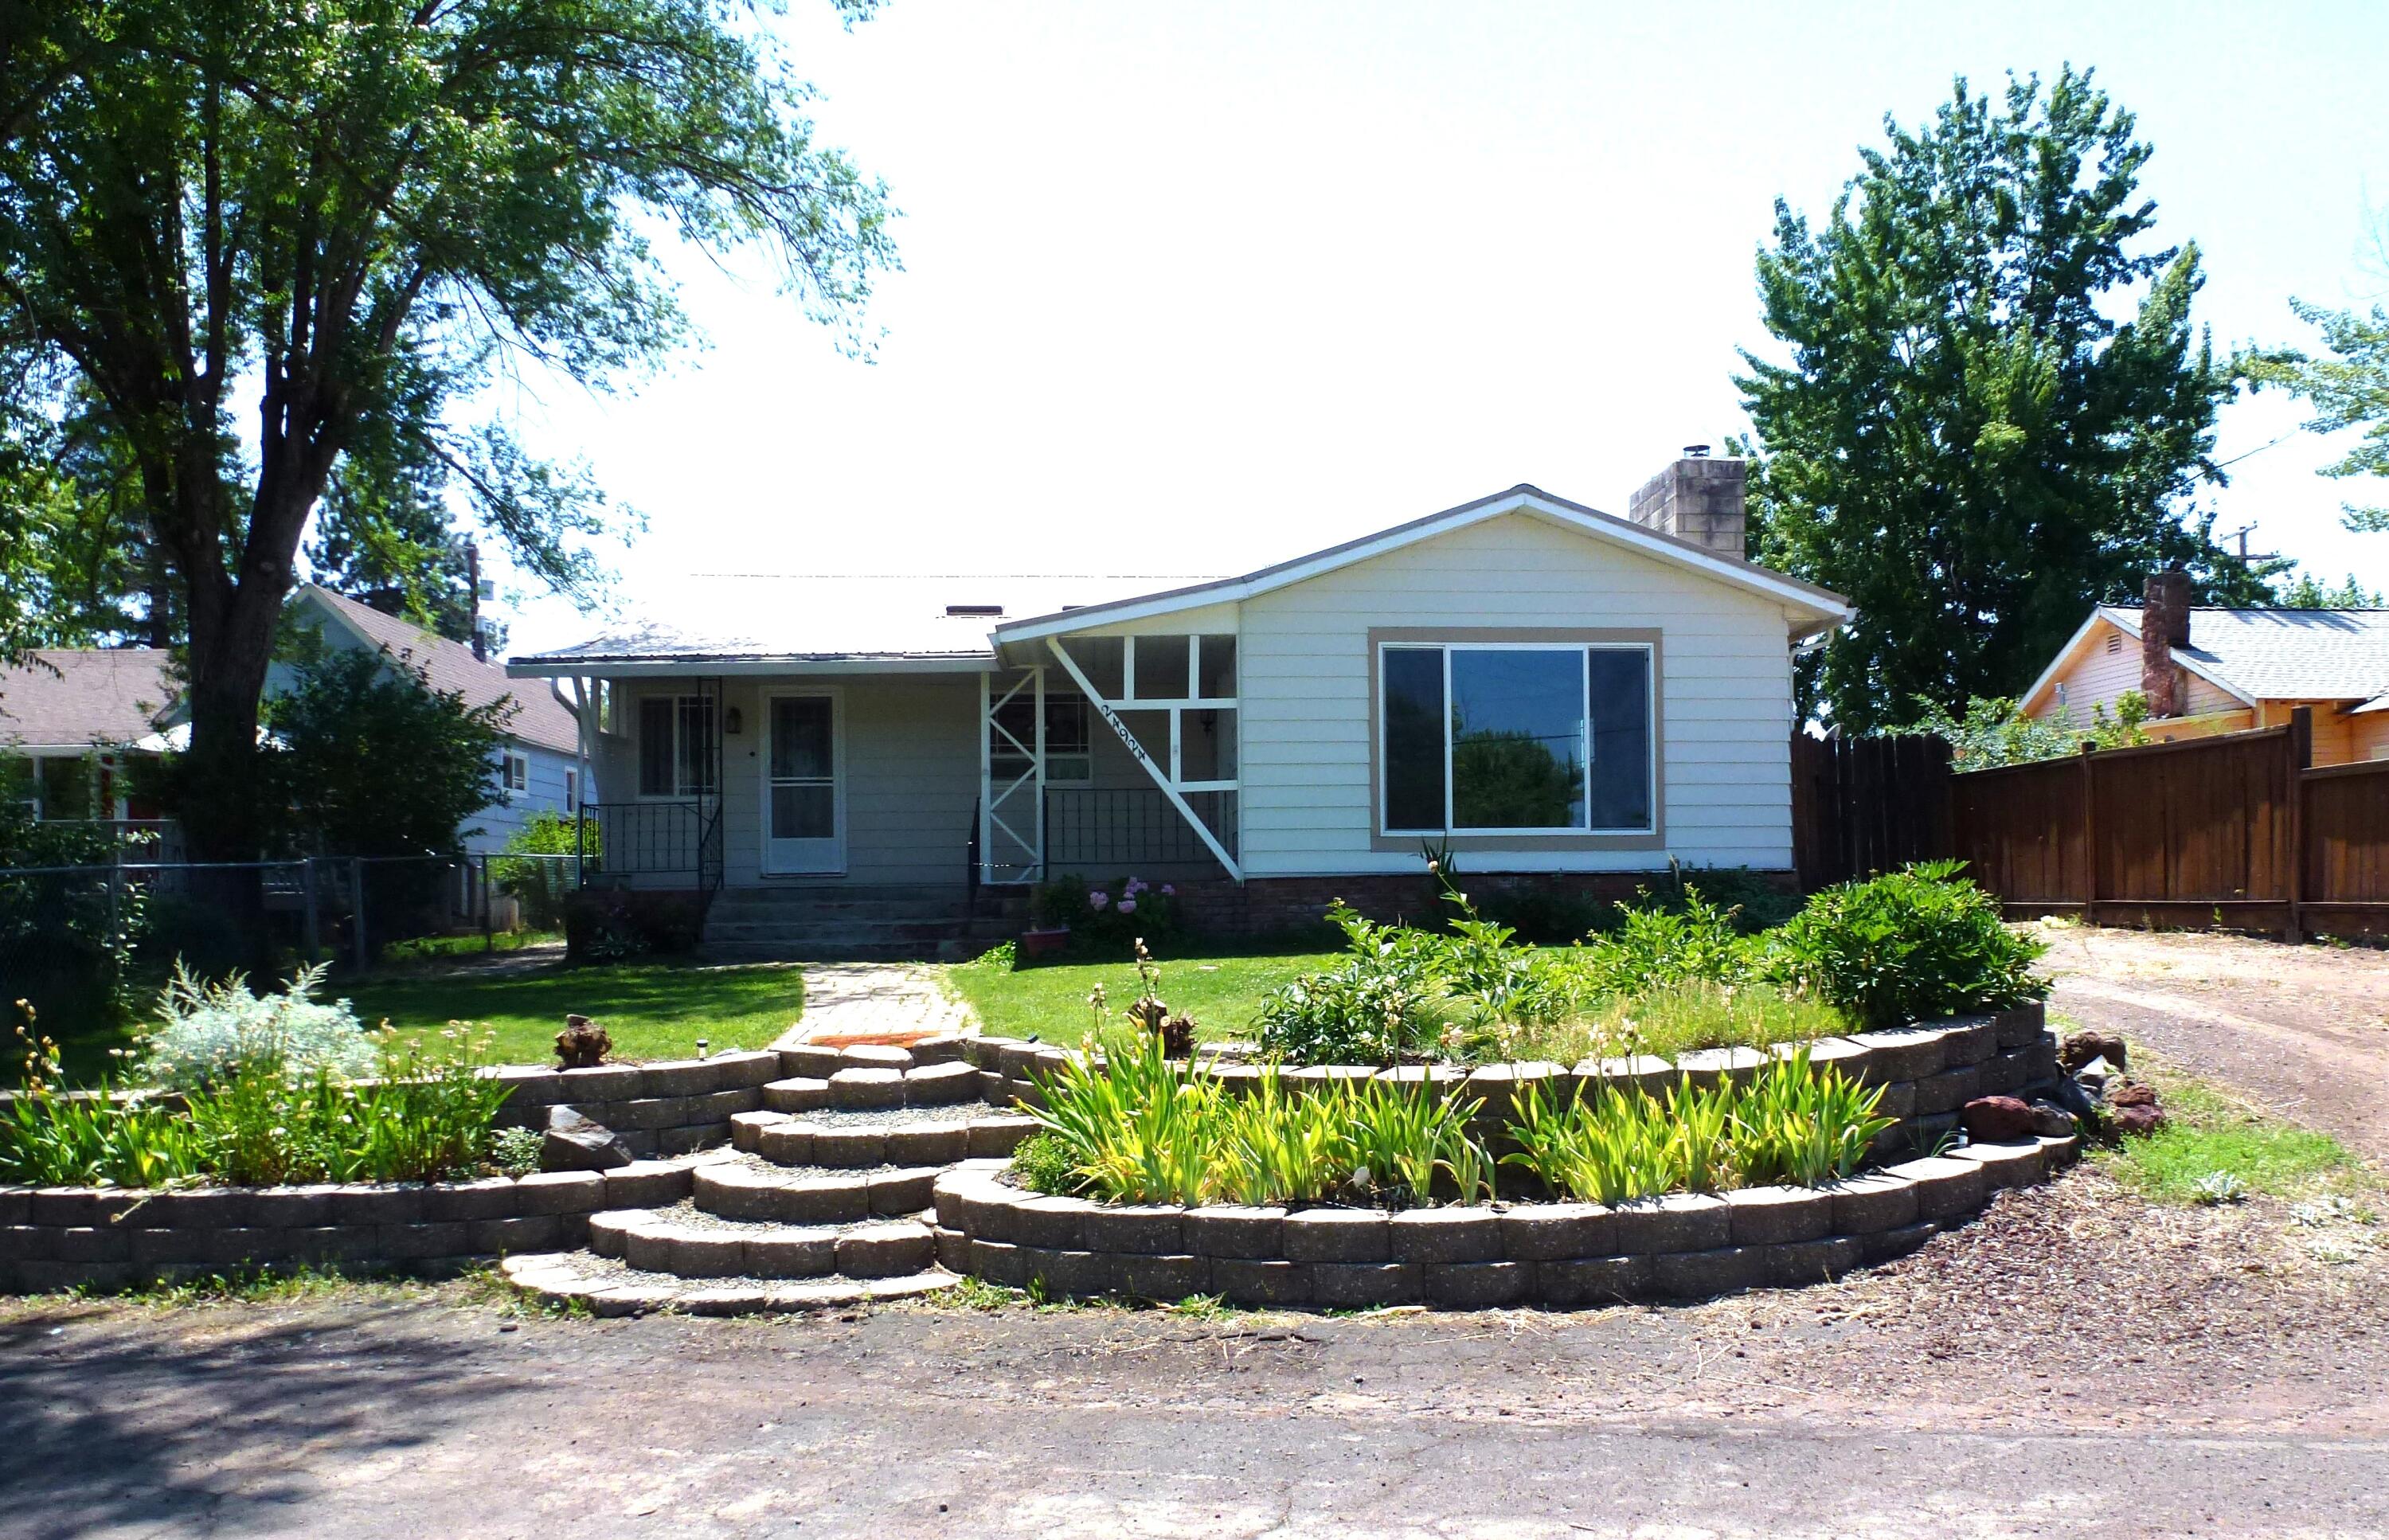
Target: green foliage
[49, 1138]
[211, 1034]
[1753, 901]
[69, 938]
[540, 886]
[2347, 389]
[1370, 1010]
[609, 925]
[1652, 949]
[2305, 593]
[1110, 918]
[1911, 944]
[1792, 1125]
[1671, 1020]
[1994, 732]
[515, 1152]
[1987, 404]
[2207, 1134]
[380, 210]
[1043, 1164]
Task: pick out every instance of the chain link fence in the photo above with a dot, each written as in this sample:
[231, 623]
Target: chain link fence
[82, 942]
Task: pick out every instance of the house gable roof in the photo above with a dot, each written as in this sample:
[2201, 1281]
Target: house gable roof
[2260, 655]
[539, 719]
[1821, 608]
[71, 699]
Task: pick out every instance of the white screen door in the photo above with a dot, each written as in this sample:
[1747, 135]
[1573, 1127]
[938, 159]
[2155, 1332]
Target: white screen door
[803, 803]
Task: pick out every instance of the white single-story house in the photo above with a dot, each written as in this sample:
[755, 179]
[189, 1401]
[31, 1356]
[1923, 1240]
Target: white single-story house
[2225, 670]
[1551, 692]
[537, 767]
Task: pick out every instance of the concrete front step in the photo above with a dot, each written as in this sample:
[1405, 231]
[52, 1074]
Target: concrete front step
[607, 1287]
[660, 1243]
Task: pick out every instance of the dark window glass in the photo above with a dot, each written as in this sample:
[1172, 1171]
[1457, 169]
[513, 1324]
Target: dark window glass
[695, 757]
[1413, 708]
[1621, 737]
[1517, 738]
[655, 746]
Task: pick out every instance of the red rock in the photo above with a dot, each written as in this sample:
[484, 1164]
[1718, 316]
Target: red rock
[2083, 1046]
[2140, 1118]
[1996, 1119]
[2132, 1093]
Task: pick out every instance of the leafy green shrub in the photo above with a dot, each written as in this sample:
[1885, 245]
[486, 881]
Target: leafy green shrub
[424, 1119]
[1675, 1019]
[1654, 948]
[51, 1138]
[538, 886]
[1910, 946]
[1752, 901]
[1548, 917]
[607, 924]
[515, 1152]
[208, 1034]
[1795, 1126]
[1108, 921]
[1043, 1164]
[1375, 1006]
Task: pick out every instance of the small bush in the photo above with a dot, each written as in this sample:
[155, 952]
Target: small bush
[609, 925]
[1910, 946]
[208, 1034]
[515, 1152]
[1108, 920]
[1043, 1164]
[1544, 916]
[1677, 1018]
[1377, 1005]
[1654, 948]
[1750, 900]
[539, 885]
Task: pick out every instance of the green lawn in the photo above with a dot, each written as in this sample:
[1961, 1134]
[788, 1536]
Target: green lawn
[2208, 1131]
[652, 1010]
[1050, 1000]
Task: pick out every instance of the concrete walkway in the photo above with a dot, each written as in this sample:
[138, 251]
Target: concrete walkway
[846, 998]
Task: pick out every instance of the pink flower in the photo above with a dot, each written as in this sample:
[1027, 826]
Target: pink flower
[1128, 906]
[1168, 891]
[1135, 886]
[1099, 899]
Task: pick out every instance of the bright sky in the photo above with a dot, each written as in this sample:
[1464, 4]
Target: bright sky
[1192, 289]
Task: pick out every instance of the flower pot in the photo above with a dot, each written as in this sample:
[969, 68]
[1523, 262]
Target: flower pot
[1050, 941]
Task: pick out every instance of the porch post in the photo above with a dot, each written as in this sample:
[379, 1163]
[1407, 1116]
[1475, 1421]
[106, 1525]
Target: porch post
[986, 782]
[1136, 751]
[1040, 792]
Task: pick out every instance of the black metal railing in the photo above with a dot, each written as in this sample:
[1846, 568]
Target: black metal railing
[1122, 827]
[656, 838]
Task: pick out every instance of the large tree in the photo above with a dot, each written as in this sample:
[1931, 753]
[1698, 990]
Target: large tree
[1957, 431]
[2348, 388]
[342, 220]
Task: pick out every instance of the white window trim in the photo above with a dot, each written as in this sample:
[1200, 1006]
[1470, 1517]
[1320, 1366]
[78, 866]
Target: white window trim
[1650, 728]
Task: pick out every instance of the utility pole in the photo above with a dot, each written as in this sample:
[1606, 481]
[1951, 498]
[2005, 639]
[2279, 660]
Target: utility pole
[473, 589]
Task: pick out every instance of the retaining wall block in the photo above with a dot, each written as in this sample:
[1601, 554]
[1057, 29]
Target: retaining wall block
[541, 1232]
[1641, 1072]
[288, 1207]
[1051, 1222]
[1549, 1232]
[708, 1253]
[1478, 1285]
[1946, 1188]
[1142, 1230]
[606, 1232]
[946, 1048]
[747, 1069]
[864, 1090]
[2056, 1154]
[242, 1248]
[1335, 1235]
[1167, 1278]
[647, 1184]
[387, 1204]
[723, 1105]
[788, 1143]
[1679, 1222]
[1899, 1099]
[1260, 1281]
[941, 1084]
[648, 1114]
[1834, 1053]
[1886, 1245]
[1947, 1092]
[1232, 1232]
[641, 1142]
[422, 1242]
[1238, 1079]
[1353, 1285]
[1498, 1083]
[1445, 1235]
[157, 1248]
[1905, 1053]
[1805, 1261]
[1709, 1066]
[528, 1086]
[2000, 1075]
[1969, 1039]
[443, 1203]
[1873, 1202]
[668, 1078]
[1443, 1079]
[953, 1250]
[1016, 1056]
[799, 1094]
[926, 1144]
[1581, 1283]
[690, 1139]
[560, 1192]
[987, 1212]
[999, 1136]
[28, 1243]
[77, 1207]
[16, 1206]
[2019, 1165]
[811, 1062]
[2021, 1026]
[747, 1130]
[1775, 1215]
[198, 1208]
[602, 1083]
[1700, 1275]
[647, 1243]
[991, 1085]
[907, 1189]
[983, 1053]
[876, 1056]
[848, 1147]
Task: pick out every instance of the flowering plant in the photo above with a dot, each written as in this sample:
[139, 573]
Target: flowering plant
[1108, 920]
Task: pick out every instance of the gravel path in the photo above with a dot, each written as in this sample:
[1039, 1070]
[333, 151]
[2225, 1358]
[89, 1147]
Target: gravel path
[2305, 1029]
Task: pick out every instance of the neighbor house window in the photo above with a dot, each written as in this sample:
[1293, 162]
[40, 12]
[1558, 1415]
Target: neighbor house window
[513, 770]
[1069, 747]
[571, 791]
[676, 745]
[1532, 738]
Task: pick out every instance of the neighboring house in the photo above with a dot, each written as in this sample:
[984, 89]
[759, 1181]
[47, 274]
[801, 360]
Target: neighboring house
[1557, 695]
[538, 764]
[68, 721]
[2222, 670]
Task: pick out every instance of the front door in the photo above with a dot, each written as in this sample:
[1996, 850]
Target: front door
[804, 799]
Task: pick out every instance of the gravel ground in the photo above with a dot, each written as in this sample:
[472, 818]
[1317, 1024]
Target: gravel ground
[904, 1117]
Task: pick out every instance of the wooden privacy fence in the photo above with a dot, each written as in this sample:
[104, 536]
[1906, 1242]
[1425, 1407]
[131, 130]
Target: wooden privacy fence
[2237, 829]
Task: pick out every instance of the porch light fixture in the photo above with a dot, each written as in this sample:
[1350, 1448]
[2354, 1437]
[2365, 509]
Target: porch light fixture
[732, 722]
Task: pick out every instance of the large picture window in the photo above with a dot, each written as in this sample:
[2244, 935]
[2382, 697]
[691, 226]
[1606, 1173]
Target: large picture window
[1530, 738]
[676, 745]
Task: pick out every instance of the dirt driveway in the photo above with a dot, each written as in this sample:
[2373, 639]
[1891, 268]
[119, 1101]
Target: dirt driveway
[2304, 1029]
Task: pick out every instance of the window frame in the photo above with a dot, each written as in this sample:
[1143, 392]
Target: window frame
[510, 761]
[677, 702]
[1524, 638]
[1055, 700]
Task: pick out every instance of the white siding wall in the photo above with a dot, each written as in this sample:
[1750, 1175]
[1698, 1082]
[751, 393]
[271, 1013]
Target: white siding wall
[2100, 678]
[1726, 695]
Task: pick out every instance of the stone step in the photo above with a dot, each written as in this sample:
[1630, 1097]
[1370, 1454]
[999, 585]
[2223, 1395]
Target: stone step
[659, 1241]
[828, 929]
[605, 1287]
[772, 1195]
[826, 1139]
[951, 949]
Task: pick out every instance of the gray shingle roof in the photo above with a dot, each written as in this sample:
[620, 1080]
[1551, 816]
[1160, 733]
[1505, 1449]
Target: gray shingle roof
[540, 719]
[2286, 653]
[62, 699]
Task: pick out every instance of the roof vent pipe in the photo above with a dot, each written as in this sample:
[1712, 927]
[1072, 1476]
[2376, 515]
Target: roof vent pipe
[1696, 451]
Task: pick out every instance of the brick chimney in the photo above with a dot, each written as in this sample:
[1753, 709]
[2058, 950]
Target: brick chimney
[1696, 499]
[2164, 625]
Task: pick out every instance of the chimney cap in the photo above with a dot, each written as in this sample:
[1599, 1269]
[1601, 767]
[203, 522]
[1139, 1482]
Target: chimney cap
[1696, 451]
